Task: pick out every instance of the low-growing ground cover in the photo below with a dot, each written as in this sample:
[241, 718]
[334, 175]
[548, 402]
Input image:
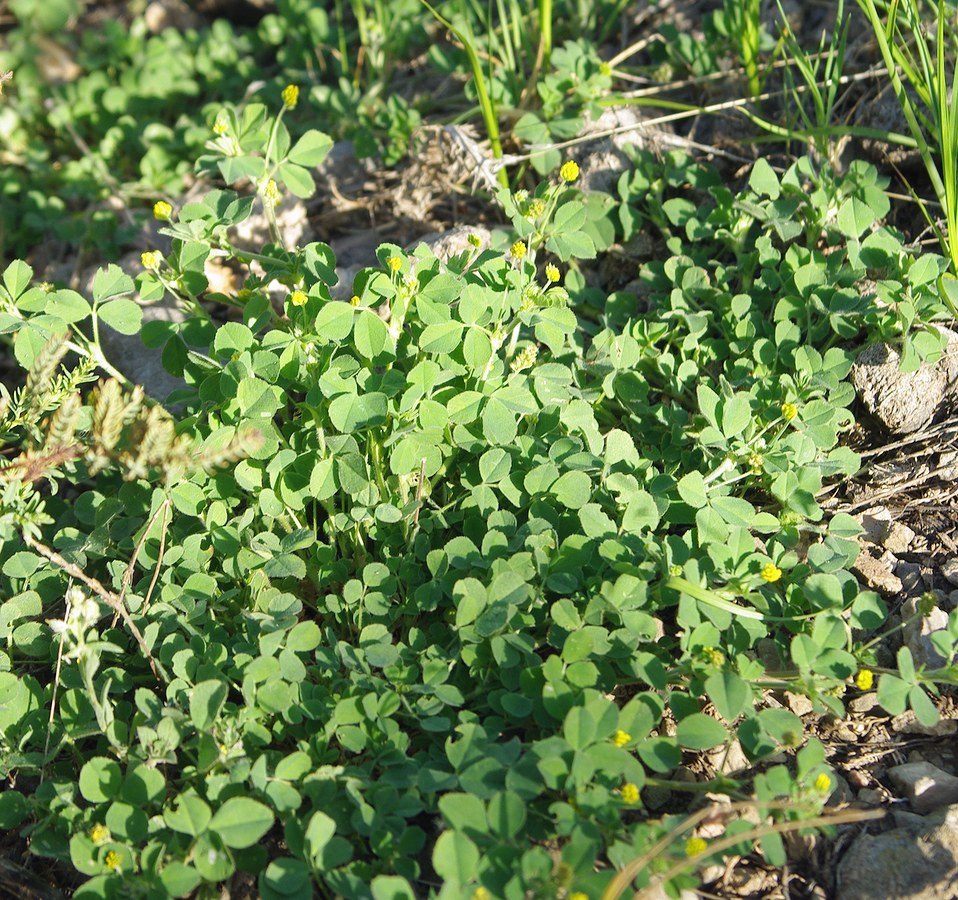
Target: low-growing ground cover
[472, 582]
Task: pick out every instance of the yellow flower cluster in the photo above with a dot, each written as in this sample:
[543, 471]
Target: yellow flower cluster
[569, 171]
[162, 210]
[100, 835]
[552, 273]
[151, 260]
[823, 783]
[518, 249]
[630, 793]
[271, 193]
[298, 298]
[864, 680]
[789, 411]
[394, 263]
[290, 96]
[695, 846]
[526, 358]
[770, 573]
[113, 861]
[220, 127]
[621, 738]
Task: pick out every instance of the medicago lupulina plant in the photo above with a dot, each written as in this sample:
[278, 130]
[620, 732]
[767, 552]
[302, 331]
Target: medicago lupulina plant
[427, 590]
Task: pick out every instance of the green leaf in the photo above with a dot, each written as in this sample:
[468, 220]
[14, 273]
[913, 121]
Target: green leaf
[349, 412]
[16, 277]
[391, 887]
[730, 694]
[297, 179]
[371, 334]
[319, 833]
[763, 180]
[206, 701]
[190, 815]
[692, 489]
[455, 857]
[335, 321]
[241, 822]
[100, 779]
[893, 694]
[579, 728]
[573, 489]
[67, 305]
[700, 732]
[311, 149]
[111, 282]
[443, 337]
[124, 316]
[736, 414]
[13, 809]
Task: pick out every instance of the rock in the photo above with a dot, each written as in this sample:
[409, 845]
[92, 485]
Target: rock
[910, 576]
[907, 723]
[917, 633]
[949, 569]
[901, 865]
[876, 574]
[926, 786]
[880, 528]
[798, 703]
[904, 402]
[729, 759]
[605, 159]
[865, 703]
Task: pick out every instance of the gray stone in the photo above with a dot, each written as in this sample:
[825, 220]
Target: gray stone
[877, 574]
[917, 633]
[865, 703]
[907, 723]
[949, 569]
[880, 528]
[904, 402]
[926, 786]
[902, 864]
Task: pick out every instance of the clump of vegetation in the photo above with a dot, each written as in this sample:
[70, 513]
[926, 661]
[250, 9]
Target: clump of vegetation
[422, 593]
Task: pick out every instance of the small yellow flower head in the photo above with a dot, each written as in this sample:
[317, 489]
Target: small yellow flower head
[298, 298]
[474, 241]
[712, 656]
[789, 411]
[271, 193]
[621, 738]
[605, 69]
[569, 171]
[675, 570]
[520, 197]
[518, 249]
[290, 96]
[162, 211]
[100, 835]
[552, 272]
[823, 783]
[864, 679]
[481, 893]
[579, 895]
[151, 260]
[354, 300]
[630, 793]
[695, 846]
[220, 126]
[756, 461]
[770, 573]
[536, 208]
[113, 861]
[526, 359]
[394, 263]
